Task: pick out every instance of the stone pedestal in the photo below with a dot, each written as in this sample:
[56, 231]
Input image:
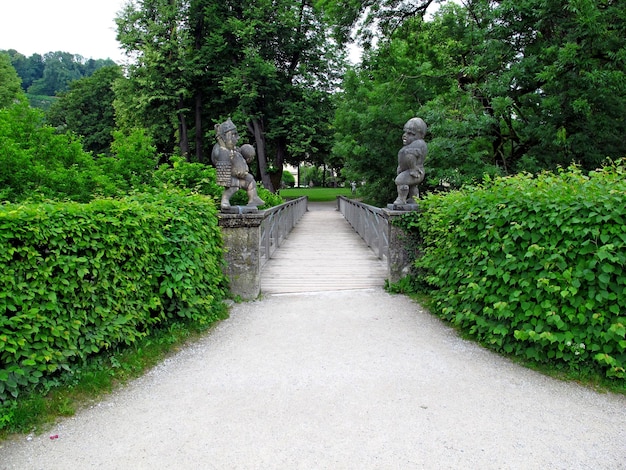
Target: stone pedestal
[242, 244]
[398, 258]
[402, 207]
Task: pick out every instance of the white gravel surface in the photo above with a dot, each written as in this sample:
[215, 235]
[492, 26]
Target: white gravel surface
[335, 380]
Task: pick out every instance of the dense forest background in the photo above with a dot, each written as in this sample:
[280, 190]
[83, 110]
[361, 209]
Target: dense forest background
[505, 86]
[45, 76]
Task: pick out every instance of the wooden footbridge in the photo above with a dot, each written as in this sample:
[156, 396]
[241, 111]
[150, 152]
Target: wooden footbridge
[310, 247]
[322, 253]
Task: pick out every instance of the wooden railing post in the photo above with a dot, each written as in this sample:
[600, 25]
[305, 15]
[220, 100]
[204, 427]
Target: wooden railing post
[375, 226]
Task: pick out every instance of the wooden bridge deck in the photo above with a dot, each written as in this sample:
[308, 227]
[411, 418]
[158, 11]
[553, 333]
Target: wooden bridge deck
[322, 253]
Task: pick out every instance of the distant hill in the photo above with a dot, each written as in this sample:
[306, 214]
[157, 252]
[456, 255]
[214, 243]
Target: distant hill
[51, 73]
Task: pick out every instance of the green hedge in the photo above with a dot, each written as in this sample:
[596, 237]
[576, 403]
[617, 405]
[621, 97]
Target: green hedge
[80, 278]
[533, 266]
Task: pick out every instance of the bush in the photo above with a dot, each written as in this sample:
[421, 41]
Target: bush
[288, 180]
[78, 279]
[240, 198]
[196, 177]
[38, 162]
[533, 266]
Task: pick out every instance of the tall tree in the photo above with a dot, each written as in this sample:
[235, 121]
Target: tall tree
[153, 97]
[202, 61]
[10, 83]
[87, 109]
[28, 68]
[526, 85]
[287, 58]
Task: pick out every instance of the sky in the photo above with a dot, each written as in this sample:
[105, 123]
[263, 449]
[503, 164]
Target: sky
[84, 27]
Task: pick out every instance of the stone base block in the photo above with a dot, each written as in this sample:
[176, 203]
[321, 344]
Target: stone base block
[403, 207]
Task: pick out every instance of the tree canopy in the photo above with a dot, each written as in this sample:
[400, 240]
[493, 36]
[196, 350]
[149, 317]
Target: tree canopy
[53, 72]
[505, 86]
[87, 109]
[266, 64]
[10, 83]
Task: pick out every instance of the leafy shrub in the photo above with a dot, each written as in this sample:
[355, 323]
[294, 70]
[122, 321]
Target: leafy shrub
[288, 180]
[132, 164]
[240, 198]
[196, 177]
[36, 160]
[533, 266]
[78, 279]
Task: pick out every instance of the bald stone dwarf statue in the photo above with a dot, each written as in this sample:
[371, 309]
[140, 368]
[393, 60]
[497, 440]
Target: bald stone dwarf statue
[411, 162]
[231, 163]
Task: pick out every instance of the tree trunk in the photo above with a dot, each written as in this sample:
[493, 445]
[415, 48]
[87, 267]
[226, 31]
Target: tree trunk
[256, 128]
[182, 129]
[199, 139]
[281, 151]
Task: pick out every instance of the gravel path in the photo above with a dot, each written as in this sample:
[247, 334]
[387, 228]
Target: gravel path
[336, 380]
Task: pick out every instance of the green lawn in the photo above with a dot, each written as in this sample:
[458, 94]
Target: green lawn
[315, 194]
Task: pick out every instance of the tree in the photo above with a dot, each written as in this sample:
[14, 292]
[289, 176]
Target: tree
[287, 70]
[505, 86]
[369, 20]
[87, 109]
[408, 75]
[28, 68]
[199, 62]
[53, 72]
[10, 83]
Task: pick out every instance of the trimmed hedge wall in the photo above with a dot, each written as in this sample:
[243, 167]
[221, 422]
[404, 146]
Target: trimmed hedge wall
[79, 278]
[533, 266]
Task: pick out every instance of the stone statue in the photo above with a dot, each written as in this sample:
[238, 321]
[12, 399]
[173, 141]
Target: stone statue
[231, 163]
[411, 163]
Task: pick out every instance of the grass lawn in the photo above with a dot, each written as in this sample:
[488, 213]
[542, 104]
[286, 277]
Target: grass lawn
[315, 194]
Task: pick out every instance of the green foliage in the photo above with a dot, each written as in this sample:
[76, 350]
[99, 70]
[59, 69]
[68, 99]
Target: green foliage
[38, 162]
[196, 177]
[288, 180]
[267, 64]
[409, 75]
[87, 109]
[10, 82]
[135, 158]
[240, 198]
[54, 71]
[505, 87]
[79, 279]
[533, 267]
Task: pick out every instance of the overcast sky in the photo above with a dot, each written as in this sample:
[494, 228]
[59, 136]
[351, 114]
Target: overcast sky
[84, 27]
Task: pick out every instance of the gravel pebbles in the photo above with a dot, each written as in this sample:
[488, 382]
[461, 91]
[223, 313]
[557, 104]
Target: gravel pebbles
[335, 380]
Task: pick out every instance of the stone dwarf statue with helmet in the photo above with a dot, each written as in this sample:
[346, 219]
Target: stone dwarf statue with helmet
[231, 163]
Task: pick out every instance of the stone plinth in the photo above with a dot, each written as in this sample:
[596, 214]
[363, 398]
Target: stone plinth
[399, 260]
[402, 207]
[242, 244]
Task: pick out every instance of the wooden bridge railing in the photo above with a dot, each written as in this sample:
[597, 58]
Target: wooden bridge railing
[369, 222]
[374, 225]
[277, 224]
